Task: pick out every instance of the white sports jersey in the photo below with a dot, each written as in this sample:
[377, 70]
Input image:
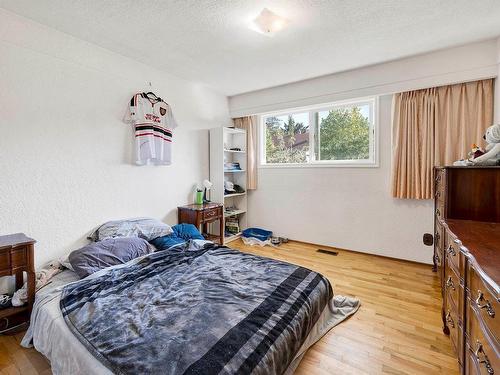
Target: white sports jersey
[153, 123]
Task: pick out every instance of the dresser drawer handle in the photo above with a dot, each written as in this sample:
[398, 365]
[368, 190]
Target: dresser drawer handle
[449, 319]
[479, 351]
[451, 250]
[487, 305]
[438, 212]
[450, 283]
[211, 213]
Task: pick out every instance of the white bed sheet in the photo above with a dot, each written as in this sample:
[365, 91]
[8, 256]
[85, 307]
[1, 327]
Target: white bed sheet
[50, 335]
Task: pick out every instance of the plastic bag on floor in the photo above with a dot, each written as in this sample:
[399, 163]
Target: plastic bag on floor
[252, 241]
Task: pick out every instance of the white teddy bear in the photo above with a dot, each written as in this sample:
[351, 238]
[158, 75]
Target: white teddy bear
[492, 155]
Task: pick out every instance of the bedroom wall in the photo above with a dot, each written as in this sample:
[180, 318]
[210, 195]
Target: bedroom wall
[352, 208]
[65, 154]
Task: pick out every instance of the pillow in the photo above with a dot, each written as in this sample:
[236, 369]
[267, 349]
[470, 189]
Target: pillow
[166, 242]
[142, 227]
[187, 232]
[181, 233]
[106, 253]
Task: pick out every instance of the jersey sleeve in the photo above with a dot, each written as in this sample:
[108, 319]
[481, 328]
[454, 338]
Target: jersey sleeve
[172, 124]
[130, 116]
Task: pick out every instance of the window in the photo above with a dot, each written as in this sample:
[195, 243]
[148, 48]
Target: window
[336, 134]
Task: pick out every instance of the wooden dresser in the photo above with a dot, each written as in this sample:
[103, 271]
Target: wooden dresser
[16, 257]
[467, 258]
[200, 215]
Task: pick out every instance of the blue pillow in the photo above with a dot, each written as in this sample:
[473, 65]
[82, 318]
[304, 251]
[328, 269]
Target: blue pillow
[181, 233]
[187, 232]
[166, 242]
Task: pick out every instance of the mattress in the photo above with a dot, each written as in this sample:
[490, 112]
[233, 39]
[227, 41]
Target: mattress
[51, 336]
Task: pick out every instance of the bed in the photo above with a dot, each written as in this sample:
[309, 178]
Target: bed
[193, 310]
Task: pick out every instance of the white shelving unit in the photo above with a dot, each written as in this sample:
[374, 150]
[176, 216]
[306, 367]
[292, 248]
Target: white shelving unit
[221, 141]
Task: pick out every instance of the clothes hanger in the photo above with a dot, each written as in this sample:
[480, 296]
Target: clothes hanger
[152, 96]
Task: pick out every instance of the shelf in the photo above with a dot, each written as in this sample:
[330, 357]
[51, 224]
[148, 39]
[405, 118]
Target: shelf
[234, 195]
[236, 152]
[234, 213]
[235, 171]
[232, 237]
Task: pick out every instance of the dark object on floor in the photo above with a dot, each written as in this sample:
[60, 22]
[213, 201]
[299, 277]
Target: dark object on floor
[276, 240]
[284, 240]
[5, 301]
[329, 252]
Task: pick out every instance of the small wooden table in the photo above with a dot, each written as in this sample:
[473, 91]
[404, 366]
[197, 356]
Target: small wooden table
[17, 257]
[200, 215]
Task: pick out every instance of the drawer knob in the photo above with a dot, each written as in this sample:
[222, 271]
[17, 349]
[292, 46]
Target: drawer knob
[449, 320]
[480, 353]
[450, 283]
[487, 305]
[451, 250]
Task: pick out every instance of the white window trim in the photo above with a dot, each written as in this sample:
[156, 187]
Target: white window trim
[374, 137]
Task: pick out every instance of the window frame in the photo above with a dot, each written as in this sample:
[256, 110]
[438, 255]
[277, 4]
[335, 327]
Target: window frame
[372, 162]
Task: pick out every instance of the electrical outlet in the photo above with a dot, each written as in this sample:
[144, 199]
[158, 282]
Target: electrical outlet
[428, 239]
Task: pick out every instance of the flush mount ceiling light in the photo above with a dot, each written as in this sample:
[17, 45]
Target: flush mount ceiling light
[269, 23]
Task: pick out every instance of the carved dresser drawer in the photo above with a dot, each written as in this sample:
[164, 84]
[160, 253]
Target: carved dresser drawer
[482, 348]
[453, 253]
[484, 303]
[453, 287]
[438, 245]
[212, 214]
[452, 323]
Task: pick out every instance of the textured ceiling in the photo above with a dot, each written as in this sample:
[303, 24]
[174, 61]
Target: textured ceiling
[209, 40]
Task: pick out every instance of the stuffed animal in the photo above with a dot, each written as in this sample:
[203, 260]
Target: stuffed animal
[492, 155]
[43, 276]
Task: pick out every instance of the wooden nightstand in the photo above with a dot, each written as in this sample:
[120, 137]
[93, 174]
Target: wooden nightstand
[16, 257]
[200, 215]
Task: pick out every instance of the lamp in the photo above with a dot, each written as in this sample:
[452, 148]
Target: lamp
[269, 23]
[207, 184]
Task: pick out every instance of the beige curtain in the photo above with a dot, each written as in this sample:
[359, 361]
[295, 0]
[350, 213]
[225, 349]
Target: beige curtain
[434, 127]
[249, 123]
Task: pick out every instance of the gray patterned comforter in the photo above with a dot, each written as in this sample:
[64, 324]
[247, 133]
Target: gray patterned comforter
[208, 311]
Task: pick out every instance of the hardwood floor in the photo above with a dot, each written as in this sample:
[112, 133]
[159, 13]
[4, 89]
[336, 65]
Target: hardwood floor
[397, 329]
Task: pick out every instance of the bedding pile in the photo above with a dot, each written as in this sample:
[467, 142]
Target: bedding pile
[202, 311]
[191, 307]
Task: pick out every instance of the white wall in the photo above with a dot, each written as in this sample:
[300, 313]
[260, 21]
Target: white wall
[352, 208]
[65, 154]
[459, 64]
